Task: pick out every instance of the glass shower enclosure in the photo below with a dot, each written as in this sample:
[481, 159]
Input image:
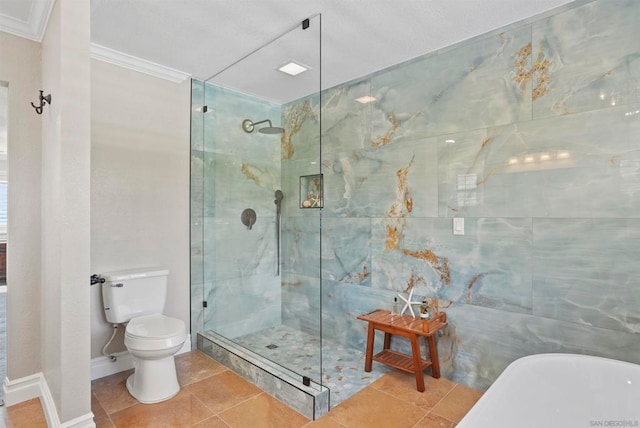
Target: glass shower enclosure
[256, 198]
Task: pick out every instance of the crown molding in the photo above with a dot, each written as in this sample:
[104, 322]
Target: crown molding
[121, 59]
[34, 27]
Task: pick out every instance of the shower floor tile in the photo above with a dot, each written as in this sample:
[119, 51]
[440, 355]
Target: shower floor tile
[343, 367]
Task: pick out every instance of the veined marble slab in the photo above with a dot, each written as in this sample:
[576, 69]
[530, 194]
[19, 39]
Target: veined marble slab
[481, 342]
[301, 303]
[588, 58]
[244, 305]
[490, 265]
[586, 271]
[301, 244]
[476, 85]
[345, 250]
[397, 180]
[545, 168]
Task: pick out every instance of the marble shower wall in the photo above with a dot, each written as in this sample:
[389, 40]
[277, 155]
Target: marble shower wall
[233, 268]
[301, 287]
[532, 134]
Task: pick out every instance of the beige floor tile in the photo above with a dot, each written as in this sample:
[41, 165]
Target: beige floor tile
[223, 390]
[96, 407]
[324, 422]
[103, 422]
[434, 421]
[263, 411]
[403, 386]
[25, 414]
[374, 408]
[213, 422]
[195, 366]
[457, 403]
[111, 392]
[183, 410]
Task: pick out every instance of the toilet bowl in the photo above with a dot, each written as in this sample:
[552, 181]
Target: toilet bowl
[152, 341]
[136, 297]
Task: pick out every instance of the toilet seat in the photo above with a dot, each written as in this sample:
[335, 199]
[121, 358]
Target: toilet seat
[154, 332]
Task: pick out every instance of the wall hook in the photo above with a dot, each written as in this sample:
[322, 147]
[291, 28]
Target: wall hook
[44, 99]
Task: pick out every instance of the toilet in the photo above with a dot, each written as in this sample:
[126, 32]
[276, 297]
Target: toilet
[137, 297]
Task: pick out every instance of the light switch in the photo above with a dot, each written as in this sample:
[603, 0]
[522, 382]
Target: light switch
[458, 226]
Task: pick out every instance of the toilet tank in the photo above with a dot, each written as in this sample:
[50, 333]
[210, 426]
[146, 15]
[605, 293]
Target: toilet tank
[131, 293]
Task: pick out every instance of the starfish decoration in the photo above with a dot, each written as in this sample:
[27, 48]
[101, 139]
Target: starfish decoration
[408, 303]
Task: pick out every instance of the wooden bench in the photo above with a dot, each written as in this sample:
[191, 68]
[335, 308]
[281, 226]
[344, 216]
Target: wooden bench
[411, 328]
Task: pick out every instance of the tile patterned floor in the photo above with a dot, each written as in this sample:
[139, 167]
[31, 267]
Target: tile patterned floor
[300, 352]
[214, 397]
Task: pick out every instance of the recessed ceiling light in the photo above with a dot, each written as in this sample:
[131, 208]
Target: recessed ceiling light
[293, 68]
[450, 141]
[365, 99]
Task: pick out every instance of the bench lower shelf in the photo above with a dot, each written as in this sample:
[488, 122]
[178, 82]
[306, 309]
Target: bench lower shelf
[400, 361]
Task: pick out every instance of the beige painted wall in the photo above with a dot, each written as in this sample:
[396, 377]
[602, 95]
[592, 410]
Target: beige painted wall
[20, 66]
[65, 209]
[140, 130]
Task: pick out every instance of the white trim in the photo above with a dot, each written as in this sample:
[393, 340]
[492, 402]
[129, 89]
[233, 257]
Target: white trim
[103, 366]
[35, 26]
[23, 389]
[35, 386]
[122, 59]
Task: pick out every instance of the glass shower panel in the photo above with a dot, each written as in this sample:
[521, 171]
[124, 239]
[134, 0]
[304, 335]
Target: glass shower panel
[197, 210]
[260, 250]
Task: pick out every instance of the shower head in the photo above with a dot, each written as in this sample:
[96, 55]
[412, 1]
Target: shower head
[249, 126]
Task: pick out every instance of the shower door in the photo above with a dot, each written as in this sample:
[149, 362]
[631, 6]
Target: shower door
[255, 245]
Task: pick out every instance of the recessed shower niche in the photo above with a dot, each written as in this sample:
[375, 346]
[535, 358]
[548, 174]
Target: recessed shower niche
[311, 193]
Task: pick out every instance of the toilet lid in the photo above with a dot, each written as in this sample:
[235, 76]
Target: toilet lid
[155, 326]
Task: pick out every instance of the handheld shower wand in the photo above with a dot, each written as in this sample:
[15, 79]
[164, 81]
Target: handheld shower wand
[278, 201]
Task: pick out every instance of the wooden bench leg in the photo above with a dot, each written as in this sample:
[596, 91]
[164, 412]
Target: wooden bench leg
[368, 360]
[387, 340]
[433, 354]
[415, 349]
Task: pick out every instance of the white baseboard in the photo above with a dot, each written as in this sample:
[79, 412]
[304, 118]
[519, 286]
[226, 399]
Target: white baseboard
[35, 386]
[103, 366]
[23, 389]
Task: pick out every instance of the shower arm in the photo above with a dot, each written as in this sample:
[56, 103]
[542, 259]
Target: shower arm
[263, 121]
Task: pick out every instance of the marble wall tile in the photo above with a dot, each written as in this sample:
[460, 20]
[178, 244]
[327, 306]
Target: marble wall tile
[301, 137]
[346, 123]
[586, 58]
[461, 174]
[544, 168]
[586, 272]
[345, 250]
[591, 153]
[397, 180]
[301, 303]
[481, 342]
[242, 305]
[233, 251]
[490, 265]
[301, 244]
[341, 305]
[474, 86]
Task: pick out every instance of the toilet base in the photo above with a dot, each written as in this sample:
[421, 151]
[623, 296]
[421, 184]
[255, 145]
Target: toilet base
[153, 380]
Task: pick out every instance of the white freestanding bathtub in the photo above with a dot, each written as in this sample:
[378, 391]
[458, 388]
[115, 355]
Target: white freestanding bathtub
[560, 390]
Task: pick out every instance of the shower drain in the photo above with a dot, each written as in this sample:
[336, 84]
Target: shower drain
[272, 346]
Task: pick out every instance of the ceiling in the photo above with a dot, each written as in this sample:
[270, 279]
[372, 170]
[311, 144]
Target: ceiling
[201, 37]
